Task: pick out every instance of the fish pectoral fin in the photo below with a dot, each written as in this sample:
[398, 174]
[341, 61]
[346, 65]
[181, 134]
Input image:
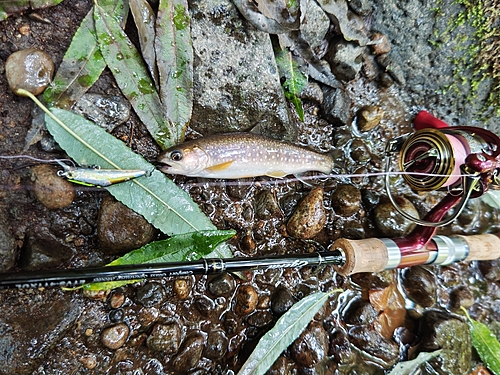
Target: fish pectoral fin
[220, 167]
[276, 174]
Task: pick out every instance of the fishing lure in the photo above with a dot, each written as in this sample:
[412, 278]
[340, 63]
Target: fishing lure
[96, 176]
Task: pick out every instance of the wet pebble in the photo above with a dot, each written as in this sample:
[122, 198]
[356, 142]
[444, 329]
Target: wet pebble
[375, 280]
[115, 336]
[120, 229]
[150, 294]
[345, 59]
[380, 44]
[490, 269]
[313, 93]
[116, 316]
[311, 346]
[165, 338]
[51, 190]
[420, 285]
[359, 312]
[182, 288]
[147, 316]
[221, 285]
[346, 200]
[440, 331]
[309, 217]
[336, 107]
[281, 301]
[204, 305]
[246, 300]
[107, 111]
[359, 151]
[461, 296]
[368, 340]
[29, 69]
[266, 206]
[247, 244]
[217, 343]
[369, 117]
[88, 361]
[389, 222]
[340, 348]
[260, 319]
[116, 299]
[239, 189]
[190, 352]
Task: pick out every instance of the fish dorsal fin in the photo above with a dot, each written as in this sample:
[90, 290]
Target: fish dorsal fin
[276, 174]
[220, 167]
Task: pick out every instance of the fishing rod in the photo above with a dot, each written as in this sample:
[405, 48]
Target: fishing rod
[346, 256]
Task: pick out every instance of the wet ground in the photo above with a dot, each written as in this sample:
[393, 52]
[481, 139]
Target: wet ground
[210, 325]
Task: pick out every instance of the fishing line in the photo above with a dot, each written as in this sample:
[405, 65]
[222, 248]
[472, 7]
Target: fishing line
[48, 161]
[315, 177]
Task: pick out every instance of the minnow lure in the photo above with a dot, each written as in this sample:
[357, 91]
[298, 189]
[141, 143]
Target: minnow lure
[96, 176]
[239, 155]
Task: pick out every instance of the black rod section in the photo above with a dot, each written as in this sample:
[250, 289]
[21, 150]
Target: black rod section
[79, 276]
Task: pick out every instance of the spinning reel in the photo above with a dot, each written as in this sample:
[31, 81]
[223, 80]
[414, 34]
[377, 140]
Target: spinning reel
[464, 160]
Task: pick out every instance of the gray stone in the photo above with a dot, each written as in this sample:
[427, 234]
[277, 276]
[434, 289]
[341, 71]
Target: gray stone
[428, 70]
[315, 24]
[345, 59]
[236, 81]
[42, 250]
[120, 229]
[336, 107]
[107, 111]
[31, 325]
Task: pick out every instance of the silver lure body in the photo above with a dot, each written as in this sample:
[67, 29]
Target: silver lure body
[240, 155]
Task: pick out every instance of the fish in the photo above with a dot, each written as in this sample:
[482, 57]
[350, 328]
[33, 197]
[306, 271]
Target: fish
[241, 155]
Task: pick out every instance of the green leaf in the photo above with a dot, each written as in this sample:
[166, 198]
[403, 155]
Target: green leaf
[132, 76]
[145, 20]
[174, 56]
[287, 329]
[179, 248]
[8, 7]
[295, 80]
[485, 343]
[409, 367]
[83, 63]
[158, 199]
[492, 198]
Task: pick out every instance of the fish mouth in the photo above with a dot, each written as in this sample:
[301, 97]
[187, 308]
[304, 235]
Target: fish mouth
[164, 167]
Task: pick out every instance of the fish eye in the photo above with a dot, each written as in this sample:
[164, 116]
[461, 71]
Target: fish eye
[176, 155]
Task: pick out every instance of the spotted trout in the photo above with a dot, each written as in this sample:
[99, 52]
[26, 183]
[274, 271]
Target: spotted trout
[240, 155]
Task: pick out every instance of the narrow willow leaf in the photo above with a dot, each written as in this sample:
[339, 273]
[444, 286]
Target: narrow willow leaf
[174, 56]
[485, 343]
[158, 199]
[132, 76]
[295, 80]
[179, 248]
[8, 7]
[287, 329]
[409, 367]
[145, 20]
[492, 198]
[82, 64]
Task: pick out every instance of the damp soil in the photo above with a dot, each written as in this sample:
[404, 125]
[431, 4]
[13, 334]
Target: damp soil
[199, 325]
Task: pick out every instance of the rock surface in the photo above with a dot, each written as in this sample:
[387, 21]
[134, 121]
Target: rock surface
[236, 80]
